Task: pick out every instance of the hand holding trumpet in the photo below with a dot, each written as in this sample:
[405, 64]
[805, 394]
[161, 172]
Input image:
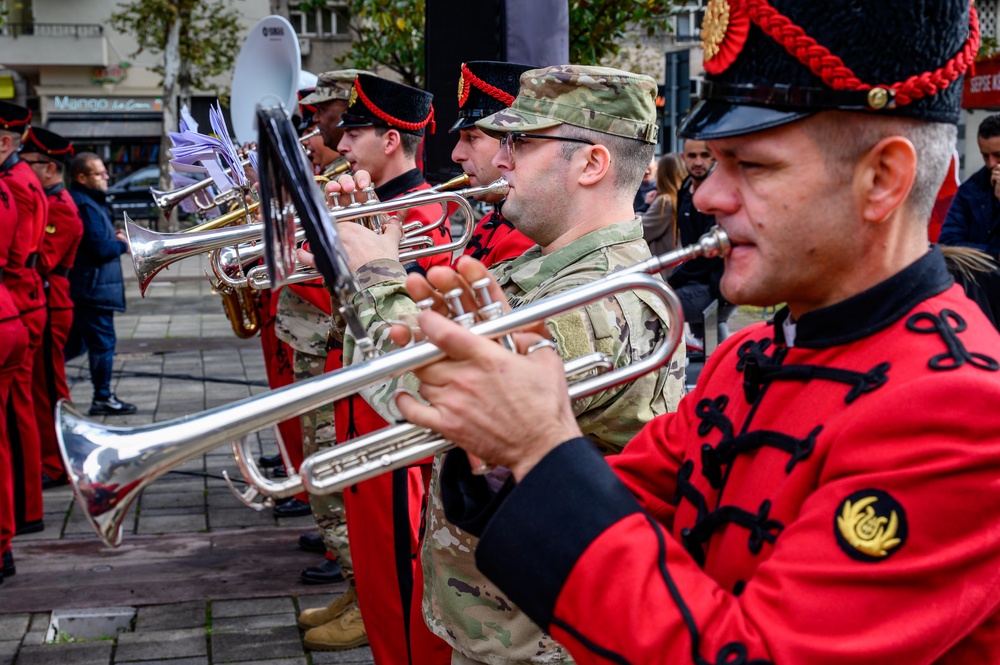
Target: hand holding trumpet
[362, 244]
[509, 409]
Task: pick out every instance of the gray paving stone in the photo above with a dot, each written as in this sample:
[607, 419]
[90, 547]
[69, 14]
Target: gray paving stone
[174, 661]
[251, 607]
[238, 624]
[171, 617]
[171, 524]
[360, 656]
[262, 644]
[277, 661]
[77, 653]
[8, 649]
[13, 626]
[239, 516]
[161, 644]
[173, 500]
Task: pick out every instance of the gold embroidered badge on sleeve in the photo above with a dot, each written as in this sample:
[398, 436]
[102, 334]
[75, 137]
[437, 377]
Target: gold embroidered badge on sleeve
[867, 531]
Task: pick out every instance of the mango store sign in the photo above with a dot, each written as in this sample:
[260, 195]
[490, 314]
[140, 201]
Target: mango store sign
[65, 103]
[982, 89]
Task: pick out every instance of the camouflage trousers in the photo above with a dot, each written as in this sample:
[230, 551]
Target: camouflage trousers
[318, 432]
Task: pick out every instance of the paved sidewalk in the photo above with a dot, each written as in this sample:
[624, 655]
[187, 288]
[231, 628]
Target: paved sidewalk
[212, 580]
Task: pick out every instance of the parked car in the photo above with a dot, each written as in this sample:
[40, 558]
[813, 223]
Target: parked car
[131, 195]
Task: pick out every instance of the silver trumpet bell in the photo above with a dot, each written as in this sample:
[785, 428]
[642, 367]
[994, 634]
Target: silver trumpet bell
[109, 466]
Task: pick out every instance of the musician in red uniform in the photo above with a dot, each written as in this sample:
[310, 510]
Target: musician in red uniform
[384, 125]
[13, 345]
[25, 286]
[485, 87]
[48, 154]
[828, 493]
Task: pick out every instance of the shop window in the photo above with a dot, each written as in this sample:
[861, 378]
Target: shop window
[330, 20]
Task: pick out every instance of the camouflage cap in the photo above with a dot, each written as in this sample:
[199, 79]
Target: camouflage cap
[605, 100]
[333, 85]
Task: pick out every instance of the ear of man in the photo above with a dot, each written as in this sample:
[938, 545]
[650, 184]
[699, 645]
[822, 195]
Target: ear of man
[594, 163]
[393, 142]
[884, 178]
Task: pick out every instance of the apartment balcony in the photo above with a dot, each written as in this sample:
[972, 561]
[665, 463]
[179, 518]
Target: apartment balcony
[35, 44]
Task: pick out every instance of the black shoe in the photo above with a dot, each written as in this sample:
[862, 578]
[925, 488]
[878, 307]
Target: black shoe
[269, 461]
[112, 406]
[293, 508]
[29, 527]
[312, 542]
[327, 572]
[48, 482]
[9, 569]
[280, 471]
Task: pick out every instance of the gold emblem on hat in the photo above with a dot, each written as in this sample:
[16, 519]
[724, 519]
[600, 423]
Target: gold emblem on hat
[50, 228]
[714, 26]
[354, 96]
[866, 531]
[461, 87]
[878, 98]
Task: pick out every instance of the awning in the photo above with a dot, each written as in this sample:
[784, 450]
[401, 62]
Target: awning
[100, 128]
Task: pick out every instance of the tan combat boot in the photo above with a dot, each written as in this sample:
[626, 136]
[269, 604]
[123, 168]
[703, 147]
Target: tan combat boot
[319, 616]
[345, 632]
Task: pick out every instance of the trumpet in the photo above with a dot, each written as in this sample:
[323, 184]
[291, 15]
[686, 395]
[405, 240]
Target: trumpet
[152, 251]
[109, 466]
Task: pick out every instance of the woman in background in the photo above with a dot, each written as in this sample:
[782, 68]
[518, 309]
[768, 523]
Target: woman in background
[659, 222]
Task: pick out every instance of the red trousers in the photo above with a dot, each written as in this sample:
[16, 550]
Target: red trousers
[13, 346]
[22, 429]
[49, 386]
[384, 519]
[280, 373]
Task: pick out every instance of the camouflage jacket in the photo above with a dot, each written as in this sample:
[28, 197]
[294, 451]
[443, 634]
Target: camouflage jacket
[300, 324]
[459, 604]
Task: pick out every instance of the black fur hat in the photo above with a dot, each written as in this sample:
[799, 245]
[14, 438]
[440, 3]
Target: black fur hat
[47, 143]
[14, 118]
[485, 87]
[378, 102]
[770, 62]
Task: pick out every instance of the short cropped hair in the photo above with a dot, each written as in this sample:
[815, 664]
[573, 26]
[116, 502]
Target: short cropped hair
[410, 142]
[629, 157]
[81, 163]
[990, 127]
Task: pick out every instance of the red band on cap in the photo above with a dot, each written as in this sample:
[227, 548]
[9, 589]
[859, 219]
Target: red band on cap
[388, 119]
[839, 76]
[469, 79]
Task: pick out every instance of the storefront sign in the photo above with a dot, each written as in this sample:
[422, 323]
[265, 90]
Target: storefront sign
[110, 74]
[69, 104]
[982, 90]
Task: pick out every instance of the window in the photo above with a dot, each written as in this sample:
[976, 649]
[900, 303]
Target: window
[330, 20]
[688, 22]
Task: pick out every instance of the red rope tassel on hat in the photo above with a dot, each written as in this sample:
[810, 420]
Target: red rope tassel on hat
[839, 76]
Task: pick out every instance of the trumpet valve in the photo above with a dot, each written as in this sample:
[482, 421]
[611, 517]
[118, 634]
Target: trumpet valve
[488, 308]
[459, 315]
[335, 198]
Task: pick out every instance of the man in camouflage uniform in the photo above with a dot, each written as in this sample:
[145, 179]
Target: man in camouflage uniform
[582, 137]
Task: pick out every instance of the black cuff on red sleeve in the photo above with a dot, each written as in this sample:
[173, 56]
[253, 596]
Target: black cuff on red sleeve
[468, 501]
[536, 536]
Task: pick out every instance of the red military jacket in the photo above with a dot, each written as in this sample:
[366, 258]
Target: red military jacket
[62, 236]
[8, 225]
[835, 501]
[495, 240]
[32, 210]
